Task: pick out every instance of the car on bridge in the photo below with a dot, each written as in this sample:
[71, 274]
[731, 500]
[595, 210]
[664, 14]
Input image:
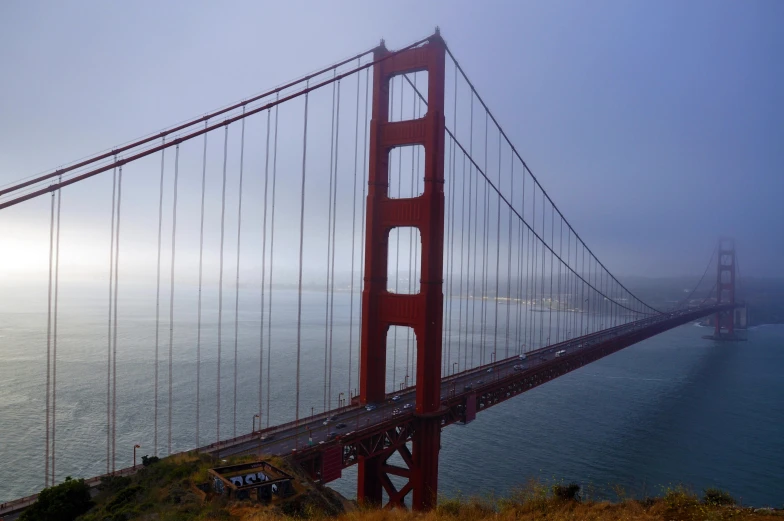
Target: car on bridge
[396, 398]
[408, 406]
[560, 353]
[371, 407]
[340, 426]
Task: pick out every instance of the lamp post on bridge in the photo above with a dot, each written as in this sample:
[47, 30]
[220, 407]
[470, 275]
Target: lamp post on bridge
[253, 429]
[135, 446]
[340, 400]
[454, 364]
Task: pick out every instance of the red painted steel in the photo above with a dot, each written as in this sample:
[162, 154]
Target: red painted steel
[332, 463]
[725, 289]
[422, 311]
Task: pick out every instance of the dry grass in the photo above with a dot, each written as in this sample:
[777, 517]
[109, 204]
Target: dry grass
[536, 501]
[167, 491]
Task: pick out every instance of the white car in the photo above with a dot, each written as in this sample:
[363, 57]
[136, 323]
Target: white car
[370, 407]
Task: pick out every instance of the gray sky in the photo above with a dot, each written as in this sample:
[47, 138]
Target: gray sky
[655, 126]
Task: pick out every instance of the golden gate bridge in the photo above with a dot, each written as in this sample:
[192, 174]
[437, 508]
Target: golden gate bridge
[466, 285]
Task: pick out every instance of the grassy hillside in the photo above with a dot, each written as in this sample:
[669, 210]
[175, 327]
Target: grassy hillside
[167, 490]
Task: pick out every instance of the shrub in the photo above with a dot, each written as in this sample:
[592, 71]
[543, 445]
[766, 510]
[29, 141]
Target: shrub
[570, 492]
[149, 460]
[63, 502]
[716, 496]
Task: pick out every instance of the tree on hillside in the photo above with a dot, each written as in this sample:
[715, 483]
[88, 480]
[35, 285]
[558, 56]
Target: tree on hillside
[63, 502]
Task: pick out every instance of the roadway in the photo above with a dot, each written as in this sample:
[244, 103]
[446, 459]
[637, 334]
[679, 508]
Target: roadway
[345, 421]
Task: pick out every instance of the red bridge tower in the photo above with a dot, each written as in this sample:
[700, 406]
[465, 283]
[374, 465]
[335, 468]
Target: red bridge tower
[725, 288]
[422, 311]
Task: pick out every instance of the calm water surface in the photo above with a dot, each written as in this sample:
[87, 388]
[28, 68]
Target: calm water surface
[673, 409]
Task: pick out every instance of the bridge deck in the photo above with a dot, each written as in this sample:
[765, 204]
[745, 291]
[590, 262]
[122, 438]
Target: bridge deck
[382, 430]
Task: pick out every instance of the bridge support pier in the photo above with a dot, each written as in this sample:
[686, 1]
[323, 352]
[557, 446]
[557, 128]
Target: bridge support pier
[423, 311]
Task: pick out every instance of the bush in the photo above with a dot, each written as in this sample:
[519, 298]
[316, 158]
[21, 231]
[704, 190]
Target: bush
[570, 492]
[113, 484]
[718, 497]
[63, 502]
[149, 460]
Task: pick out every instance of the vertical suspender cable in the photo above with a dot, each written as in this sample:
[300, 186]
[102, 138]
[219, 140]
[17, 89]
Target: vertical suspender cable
[468, 238]
[237, 280]
[325, 401]
[451, 250]
[272, 264]
[49, 346]
[301, 247]
[171, 292]
[544, 243]
[364, 203]
[519, 325]
[411, 235]
[462, 256]
[497, 257]
[114, 340]
[532, 341]
[109, 333]
[263, 266]
[397, 230]
[220, 282]
[509, 254]
[552, 259]
[476, 234]
[560, 262]
[158, 302]
[54, 330]
[334, 222]
[353, 241]
[201, 266]
[452, 223]
[485, 244]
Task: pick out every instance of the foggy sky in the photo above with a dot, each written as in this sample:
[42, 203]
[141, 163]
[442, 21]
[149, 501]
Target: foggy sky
[655, 127]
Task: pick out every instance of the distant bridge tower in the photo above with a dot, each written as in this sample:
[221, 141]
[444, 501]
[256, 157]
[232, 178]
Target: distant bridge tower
[725, 287]
[421, 311]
